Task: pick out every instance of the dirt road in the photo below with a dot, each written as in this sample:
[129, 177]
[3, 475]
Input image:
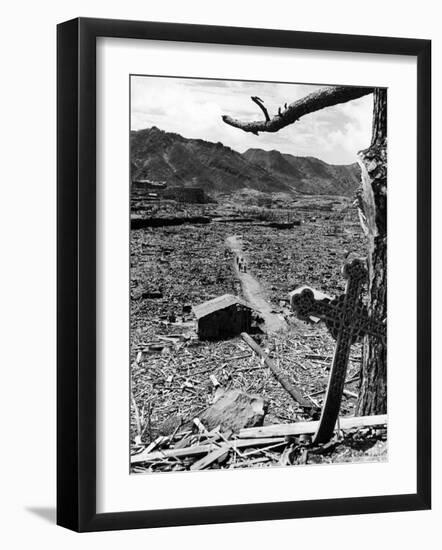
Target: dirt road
[252, 290]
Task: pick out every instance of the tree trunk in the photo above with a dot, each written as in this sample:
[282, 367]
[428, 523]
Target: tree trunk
[373, 206]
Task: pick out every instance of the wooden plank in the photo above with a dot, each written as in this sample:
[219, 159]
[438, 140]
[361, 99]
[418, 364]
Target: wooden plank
[282, 379]
[349, 381]
[349, 394]
[298, 428]
[199, 449]
[210, 458]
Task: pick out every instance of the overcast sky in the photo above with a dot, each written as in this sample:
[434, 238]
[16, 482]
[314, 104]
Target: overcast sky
[193, 108]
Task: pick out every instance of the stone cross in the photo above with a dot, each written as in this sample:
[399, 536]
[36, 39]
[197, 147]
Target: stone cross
[347, 319]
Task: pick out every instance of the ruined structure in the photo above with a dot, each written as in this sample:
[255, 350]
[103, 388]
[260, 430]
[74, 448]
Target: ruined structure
[143, 185]
[186, 194]
[223, 317]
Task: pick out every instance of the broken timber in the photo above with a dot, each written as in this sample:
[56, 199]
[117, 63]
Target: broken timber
[253, 437]
[282, 379]
[210, 458]
[299, 428]
[200, 449]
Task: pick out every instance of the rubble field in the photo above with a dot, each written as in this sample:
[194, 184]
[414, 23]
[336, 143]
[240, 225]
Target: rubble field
[175, 377]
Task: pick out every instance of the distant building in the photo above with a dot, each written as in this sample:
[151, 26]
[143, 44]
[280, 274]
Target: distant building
[223, 317]
[145, 189]
[144, 184]
[186, 194]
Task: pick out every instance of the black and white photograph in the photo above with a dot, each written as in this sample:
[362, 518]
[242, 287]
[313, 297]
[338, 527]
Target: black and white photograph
[217, 284]
[258, 274]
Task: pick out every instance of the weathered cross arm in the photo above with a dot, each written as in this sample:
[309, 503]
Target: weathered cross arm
[346, 320]
[306, 305]
[325, 97]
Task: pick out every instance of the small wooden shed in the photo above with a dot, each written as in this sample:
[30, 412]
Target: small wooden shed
[223, 317]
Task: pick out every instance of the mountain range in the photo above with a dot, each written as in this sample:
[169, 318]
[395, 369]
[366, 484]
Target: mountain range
[181, 162]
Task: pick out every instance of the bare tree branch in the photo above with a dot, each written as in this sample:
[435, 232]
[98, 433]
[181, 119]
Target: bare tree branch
[260, 104]
[325, 97]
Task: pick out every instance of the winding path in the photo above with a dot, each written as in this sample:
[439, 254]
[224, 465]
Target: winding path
[253, 292]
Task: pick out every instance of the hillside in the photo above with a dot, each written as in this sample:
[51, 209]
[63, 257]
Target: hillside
[308, 175]
[164, 156]
[185, 162]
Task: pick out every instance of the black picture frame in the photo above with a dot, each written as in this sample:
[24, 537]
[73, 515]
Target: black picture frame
[77, 287]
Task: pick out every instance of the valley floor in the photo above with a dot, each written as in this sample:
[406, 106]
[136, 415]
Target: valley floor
[173, 268]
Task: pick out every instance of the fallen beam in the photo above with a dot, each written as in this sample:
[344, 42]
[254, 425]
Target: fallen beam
[299, 428]
[210, 458]
[200, 449]
[349, 381]
[281, 377]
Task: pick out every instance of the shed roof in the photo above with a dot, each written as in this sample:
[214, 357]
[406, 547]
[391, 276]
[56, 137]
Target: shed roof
[218, 303]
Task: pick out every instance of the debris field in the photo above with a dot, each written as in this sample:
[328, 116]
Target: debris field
[182, 386]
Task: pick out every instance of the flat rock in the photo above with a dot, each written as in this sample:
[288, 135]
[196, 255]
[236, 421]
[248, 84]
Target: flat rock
[234, 410]
[170, 424]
